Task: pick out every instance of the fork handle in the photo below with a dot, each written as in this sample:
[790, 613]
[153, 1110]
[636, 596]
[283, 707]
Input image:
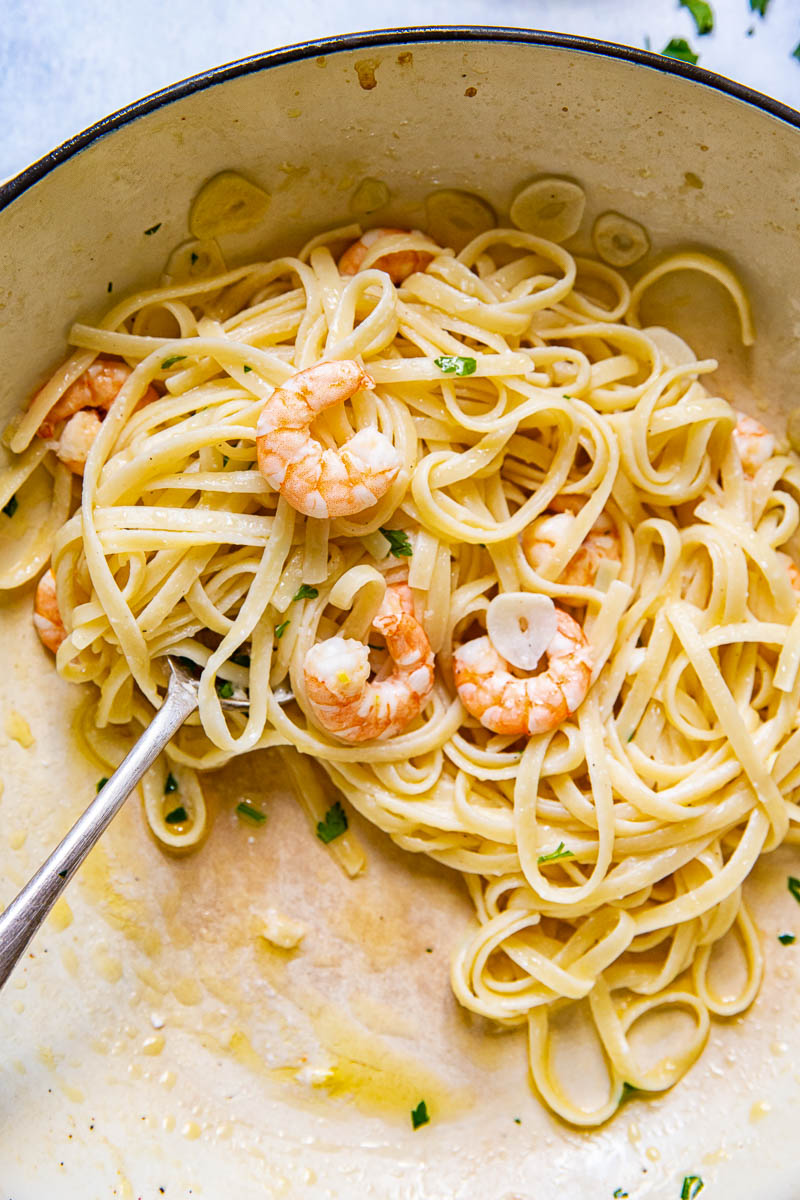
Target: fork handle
[28, 910]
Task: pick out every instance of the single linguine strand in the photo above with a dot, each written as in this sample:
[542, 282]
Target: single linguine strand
[605, 856]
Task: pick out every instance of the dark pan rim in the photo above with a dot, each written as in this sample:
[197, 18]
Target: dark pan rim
[14, 188]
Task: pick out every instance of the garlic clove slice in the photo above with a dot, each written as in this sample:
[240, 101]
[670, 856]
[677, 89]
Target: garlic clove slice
[521, 625]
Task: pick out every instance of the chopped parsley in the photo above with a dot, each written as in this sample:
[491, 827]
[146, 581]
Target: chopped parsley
[560, 851]
[194, 258]
[62, 874]
[244, 809]
[419, 1115]
[280, 630]
[152, 229]
[241, 659]
[455, 364]
[247, 369]
[101, 783]
[680, 48]
[759, 6]
[692, 1184]
[12, 506]
[796, 52]
[170, 784]
[170, 362]
[794, 887]
[703, 14]
[399, 545]
[110, 287]
[224, 689]
[429, 949]
[620, 1194]
[786, 939]
[631, 735]
[305, 592]
[334, 825]
[517, 1120]
[225, 460]
[177, 817]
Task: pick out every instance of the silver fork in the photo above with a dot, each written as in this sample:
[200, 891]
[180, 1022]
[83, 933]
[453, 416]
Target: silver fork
[27, 911]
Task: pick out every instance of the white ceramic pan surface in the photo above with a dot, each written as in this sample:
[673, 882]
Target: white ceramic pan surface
[151, 1044]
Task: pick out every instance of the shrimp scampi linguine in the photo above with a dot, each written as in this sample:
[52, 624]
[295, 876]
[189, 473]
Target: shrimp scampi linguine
[348, 471]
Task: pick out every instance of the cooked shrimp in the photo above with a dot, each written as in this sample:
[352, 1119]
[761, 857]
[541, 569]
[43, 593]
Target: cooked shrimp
[601, 543]
[97, 387]
[754, 443]
[342, 697]
[398, 265]
[318, 481]
[509, 705]
[46, 615]
[76, 439]
[792, 570]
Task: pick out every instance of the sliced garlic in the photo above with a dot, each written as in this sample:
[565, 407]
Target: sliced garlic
[195, 260]
[228, 203]
[521, 625]
[619, 240]
[369, 196]
[551, 208]
[674, 350]
[454, 218]
[282, 931]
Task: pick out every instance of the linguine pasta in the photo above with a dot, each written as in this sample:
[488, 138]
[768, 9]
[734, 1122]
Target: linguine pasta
[604, 857]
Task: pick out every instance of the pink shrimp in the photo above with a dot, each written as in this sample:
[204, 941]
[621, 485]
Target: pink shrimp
[346, 702]
[601, 543]
[509, 705]
[318, 481]
[398, 264]
[754, 443]
[46, 613]
[96, 388]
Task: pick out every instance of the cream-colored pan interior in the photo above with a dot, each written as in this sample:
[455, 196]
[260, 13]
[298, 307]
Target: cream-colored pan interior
[150, 1039]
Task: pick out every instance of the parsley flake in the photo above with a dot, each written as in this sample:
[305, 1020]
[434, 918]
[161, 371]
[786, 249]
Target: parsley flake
[177, 817]
[101, 783]
[194, 258]
[786, 939]
[759, 6]
[560, 851]
[224, 689]
[170, 784]
[419, 1115]
[247, 369]
[796, 52]
[794, 887]
[305, 592]
[170, 362]
[334, 825]
[12, 506]
[517, 1120]
[399, 545]
[680, 48]
[702, 13]
[225, 460]
[620, 1194]
[241, 659]
[280, 630]
[692, 1184]
[62, 874]
[244, 809]
[110, 287]
[152, 229]
[455, 364]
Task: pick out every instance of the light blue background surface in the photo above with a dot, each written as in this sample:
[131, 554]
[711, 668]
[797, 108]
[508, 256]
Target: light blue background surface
[64, 66]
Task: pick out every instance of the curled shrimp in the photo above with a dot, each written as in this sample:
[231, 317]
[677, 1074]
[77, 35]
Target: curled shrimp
[343, 698]
[601, 543]
[754, 443]
[509, 705]
[319, 481]
[46, 613]
[398, 264]
[96, 388]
